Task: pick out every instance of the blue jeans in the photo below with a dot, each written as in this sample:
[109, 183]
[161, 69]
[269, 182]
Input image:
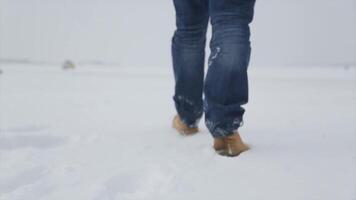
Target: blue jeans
[226, 86]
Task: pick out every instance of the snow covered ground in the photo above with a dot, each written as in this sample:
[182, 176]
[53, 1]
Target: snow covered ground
[103, 133]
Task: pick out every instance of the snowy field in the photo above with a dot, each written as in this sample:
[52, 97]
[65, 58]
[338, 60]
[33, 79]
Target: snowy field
[103, 133]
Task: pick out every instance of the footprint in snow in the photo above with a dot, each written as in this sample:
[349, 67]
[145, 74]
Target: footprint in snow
[30, 141]
[137, 184]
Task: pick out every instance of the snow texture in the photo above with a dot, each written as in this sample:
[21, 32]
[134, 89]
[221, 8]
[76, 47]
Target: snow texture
[103, 133]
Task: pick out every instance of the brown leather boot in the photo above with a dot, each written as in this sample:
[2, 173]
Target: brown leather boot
[182, 128]
[219, 145]
[231, 145]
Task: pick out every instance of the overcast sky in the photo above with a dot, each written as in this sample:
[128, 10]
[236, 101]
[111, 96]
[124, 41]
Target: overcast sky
[137, 33]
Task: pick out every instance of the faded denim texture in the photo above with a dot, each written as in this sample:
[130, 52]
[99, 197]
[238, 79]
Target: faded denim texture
[225, 86]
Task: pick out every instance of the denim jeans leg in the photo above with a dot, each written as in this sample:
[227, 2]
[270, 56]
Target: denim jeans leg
[226, 83]
[188, 52]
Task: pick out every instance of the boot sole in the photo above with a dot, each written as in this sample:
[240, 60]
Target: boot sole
[224, 152]
[186, 133]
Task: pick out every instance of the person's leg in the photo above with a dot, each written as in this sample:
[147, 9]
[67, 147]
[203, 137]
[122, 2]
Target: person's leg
[188, 51]
[226, 84]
